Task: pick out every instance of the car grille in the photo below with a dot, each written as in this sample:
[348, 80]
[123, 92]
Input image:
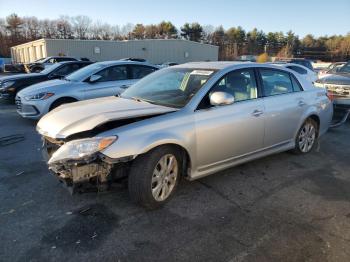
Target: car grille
[339, 90]
[18, 104]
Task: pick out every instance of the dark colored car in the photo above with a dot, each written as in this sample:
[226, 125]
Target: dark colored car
[38, 65]
[303, 62]
[338, 85]
[41, 64]
[10, 85]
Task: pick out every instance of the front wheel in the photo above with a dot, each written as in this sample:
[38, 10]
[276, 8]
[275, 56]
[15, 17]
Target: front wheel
[154, 176]
[306, 137]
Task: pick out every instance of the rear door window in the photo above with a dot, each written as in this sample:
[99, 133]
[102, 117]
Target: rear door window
[296, 85]
[113, 73]
[139, 71]
[275, 82]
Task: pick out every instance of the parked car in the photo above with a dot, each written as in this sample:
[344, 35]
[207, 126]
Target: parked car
[43, 63]
[38, 65]
[96, 80]
[167, 64]
[338, 85]
[331, 69]
[189, 120]
[300, 69]
[10, 85]
[300, 61]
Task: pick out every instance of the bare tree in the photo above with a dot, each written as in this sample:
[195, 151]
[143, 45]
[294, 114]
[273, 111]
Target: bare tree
[127, 29]
[31, 28]
[81, 25]
[64, 28]
[48, 28]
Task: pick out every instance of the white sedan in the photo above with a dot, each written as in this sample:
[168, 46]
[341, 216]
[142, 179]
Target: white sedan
[301, 70]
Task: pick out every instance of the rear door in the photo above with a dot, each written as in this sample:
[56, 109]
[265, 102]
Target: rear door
[113, 81]
[284, 105]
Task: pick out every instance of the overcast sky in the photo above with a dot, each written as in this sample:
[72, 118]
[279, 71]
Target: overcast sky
[319, 17]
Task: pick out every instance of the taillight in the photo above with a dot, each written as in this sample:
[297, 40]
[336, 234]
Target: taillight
[330, 95]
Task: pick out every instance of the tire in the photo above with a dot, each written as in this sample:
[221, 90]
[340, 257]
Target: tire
[62, 101]
[148, 183]
[307, 137]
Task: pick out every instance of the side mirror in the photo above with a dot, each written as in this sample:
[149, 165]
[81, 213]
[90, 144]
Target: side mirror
[220, 98]
[94, 78]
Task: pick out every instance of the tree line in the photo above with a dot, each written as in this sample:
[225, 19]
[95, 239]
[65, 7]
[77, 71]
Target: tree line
[232, 42]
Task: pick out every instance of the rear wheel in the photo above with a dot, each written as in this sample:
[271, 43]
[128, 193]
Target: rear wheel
[306, 137]
[62, 101]
[154, 176]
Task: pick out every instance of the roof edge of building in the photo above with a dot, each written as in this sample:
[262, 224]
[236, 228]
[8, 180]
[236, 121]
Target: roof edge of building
[34, 41]
[122, 41]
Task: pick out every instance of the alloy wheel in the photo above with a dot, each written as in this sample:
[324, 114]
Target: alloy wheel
[307, 137]
[164, 177]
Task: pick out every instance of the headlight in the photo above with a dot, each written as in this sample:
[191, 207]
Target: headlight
[7, 84]
[319, 84]
[40, 96]
[78, 149]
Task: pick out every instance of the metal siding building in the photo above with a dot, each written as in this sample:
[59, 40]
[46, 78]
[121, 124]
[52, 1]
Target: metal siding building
[154, 50]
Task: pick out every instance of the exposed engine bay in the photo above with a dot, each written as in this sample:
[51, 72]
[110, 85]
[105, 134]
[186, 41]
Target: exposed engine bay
[95, 172]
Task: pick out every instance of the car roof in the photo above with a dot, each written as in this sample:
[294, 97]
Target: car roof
[74, 62]
[285, 64]
[220, 65]
[61, 57]
[212, 65]
[122, 62]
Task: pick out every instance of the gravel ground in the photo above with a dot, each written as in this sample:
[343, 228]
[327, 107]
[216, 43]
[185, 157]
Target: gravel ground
[280, 208]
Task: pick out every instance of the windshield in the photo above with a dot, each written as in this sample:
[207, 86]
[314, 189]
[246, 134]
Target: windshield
[172, 87]
[50, 68]
[85, 72]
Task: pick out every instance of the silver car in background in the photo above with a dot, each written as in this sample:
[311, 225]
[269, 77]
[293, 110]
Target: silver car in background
[96, 80]
[303, 71]
[189, 120]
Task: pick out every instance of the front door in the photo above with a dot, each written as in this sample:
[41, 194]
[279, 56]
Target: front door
[225, 133]
[113, 81]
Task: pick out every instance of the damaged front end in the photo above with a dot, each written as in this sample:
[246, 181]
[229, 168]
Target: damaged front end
[81, 166]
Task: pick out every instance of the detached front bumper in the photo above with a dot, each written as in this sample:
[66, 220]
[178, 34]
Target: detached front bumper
[95, 172]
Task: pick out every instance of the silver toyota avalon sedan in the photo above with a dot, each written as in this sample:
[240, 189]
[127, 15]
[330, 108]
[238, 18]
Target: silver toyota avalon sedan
[96, 80]
[188, 121]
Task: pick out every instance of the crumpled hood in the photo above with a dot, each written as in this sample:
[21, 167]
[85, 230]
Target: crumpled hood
[337, 79]
[86, 115]
[46, 86]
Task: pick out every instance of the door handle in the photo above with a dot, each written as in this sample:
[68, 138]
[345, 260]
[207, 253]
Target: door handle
[301, 103]
[257, 112]
[124, 86]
